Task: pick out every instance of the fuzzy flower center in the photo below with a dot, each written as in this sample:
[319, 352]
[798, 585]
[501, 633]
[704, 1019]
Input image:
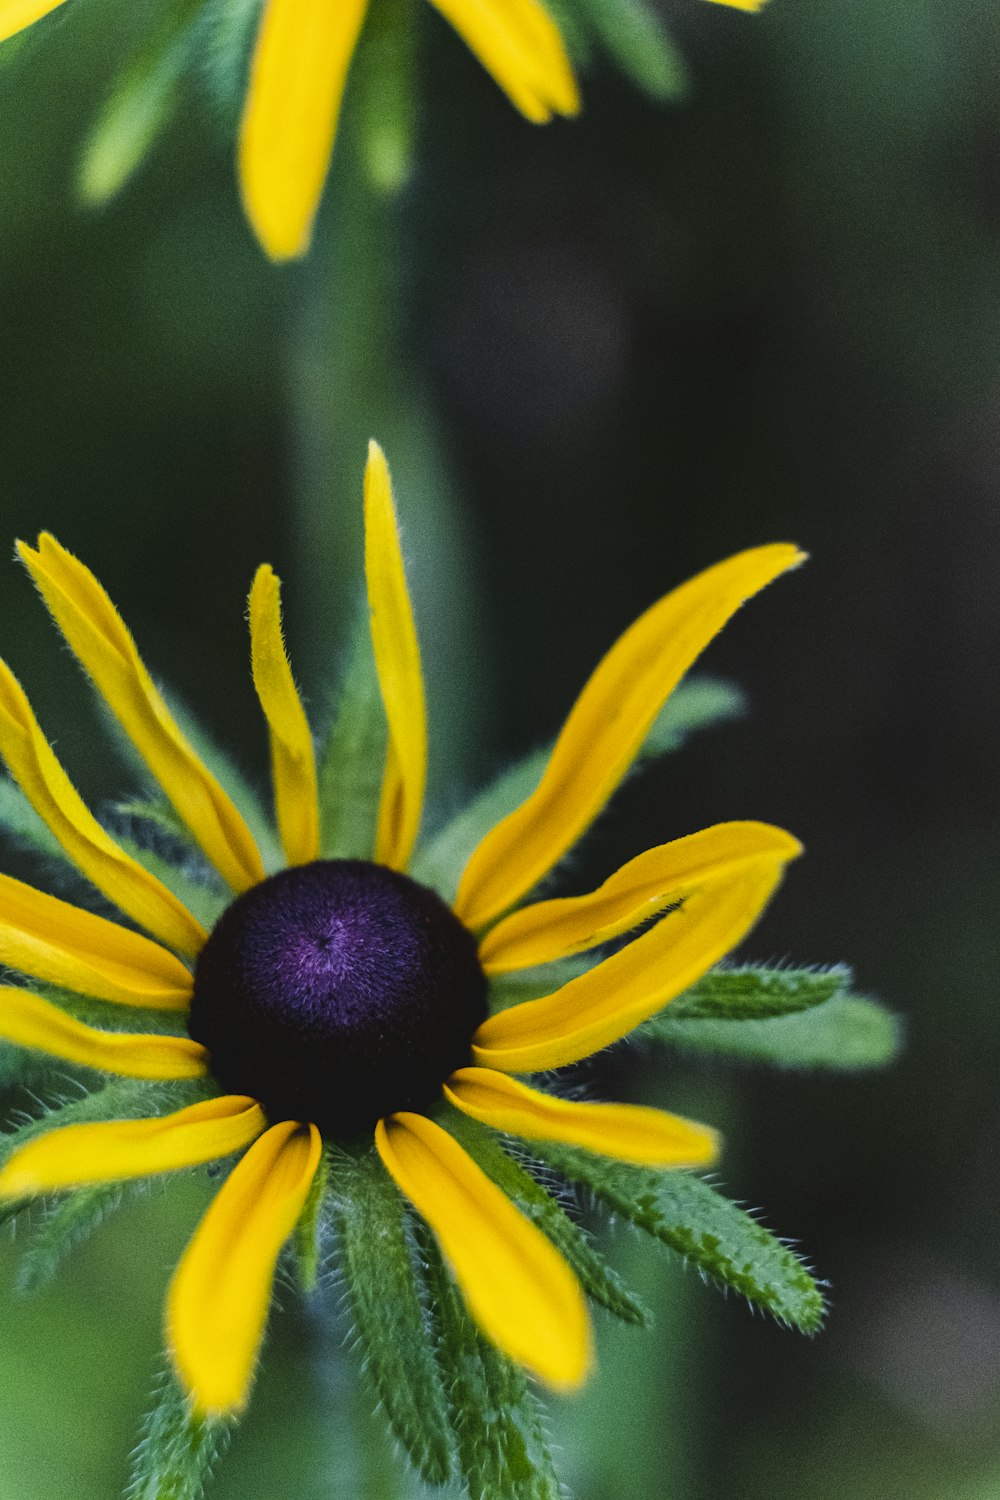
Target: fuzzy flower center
[336, 993]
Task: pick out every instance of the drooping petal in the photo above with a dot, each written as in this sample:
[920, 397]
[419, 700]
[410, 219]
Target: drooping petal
[36, 770]
[519, 44]
[609, 1000]
[219, 1297]
[29, 1021]
[397, 661]
[517, 1286]
[605, 728]
[628, 1132]
[15, 15]
[100, 640]
[648, 884]
[115, 1149]
[62, 944]
[293, 760]
[297, 77]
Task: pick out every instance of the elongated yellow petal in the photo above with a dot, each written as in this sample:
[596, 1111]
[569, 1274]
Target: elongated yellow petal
[304, 49]
[293, 760]
[517, 1286]
[116, 1149]
[519, 44]
[34, 766]
[15, 15]
[219, 1297]
[628, 1132]
[30, 1021]
[99, 639]
[609, 1000]
[397, 661]
[742, 4]
[646, 885]
[605, 728]
[52, 940]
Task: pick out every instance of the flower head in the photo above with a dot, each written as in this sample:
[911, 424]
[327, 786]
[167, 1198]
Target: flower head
[342, 1002]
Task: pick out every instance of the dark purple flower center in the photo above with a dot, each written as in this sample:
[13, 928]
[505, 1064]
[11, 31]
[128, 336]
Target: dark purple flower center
[338, 992]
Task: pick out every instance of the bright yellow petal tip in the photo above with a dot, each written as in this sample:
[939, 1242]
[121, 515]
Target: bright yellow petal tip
[753, 5]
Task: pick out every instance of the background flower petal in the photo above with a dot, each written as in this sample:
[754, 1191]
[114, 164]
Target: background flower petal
[519, 44]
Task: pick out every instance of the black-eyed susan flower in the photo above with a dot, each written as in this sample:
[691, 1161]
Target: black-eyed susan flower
[340, 1002]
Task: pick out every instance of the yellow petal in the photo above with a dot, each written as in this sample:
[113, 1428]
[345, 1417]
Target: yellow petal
[517, 1286]
[628, 1132]
[62, 944]
[519, 44]
[605, 728]
[741, 4]
[293, 761]
[15, 15]
[304, 49]
[219, 1297]
[98, 637]
[609, 1000]
[397, 661]
[646, 885]
[29, 1021]
[107, 1152]
[35, 768]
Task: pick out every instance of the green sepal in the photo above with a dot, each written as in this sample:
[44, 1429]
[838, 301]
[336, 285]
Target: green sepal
[724, 1242]
[635, 37]
[352, 764]
[22, 824]
[751, 992]
[224, 37]
[503, 1453]
[383, 1285]
[308, 1235]
[847, 1032]
[178, 1450]
[63, 1225]
[599, 1280]
[695, 704]
[383, 84]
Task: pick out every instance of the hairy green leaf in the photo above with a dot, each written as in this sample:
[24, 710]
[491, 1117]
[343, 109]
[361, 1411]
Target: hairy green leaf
[196, 887]
[308, 1234]
[177, 1451]
[63, 1225]
[384, 1294]
[20, 821]
[754, 993]
[848, 1032]
[721, 1239]
[352, 764]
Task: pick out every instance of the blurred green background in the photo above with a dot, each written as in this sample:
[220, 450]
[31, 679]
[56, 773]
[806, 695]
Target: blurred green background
[632, 345]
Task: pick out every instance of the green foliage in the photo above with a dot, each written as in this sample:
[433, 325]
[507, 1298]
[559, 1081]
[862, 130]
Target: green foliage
[352, 763]
[634, 35]
[384, 1293]
[846, 1032]
[23, 825]
[224, 39]
[309, 1229]
[178, 1450]
[502, 1449]
[752, 993]
[197, 888]
[719, 1238]
[63, 1225]
[383, 80]
[599, 1280]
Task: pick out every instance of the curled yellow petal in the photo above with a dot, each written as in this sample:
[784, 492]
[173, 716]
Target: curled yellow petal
[519, 44]
[221, 1291]
[604, 1004]
[628, 1132]
[62, 944]
[648, 884]
[517, 1286]
[297, 77]
[115, 1149]
[293, 760]
[100, 640]
[34, 766]
[397, 662]
[605, 728]
[29, 1021]
[15, 15]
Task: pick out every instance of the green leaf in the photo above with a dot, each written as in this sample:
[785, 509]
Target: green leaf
[384, 1294]
[63, 1225]
[225, 32]
[383, 77]
[754, 993]
[502, 1450]
[309, 1229]
[697, 703]
[178, 1450]
[352, 764]
[599, 1280]
[722, 1240]
[637, 40]
[847, 1032]
[194, 885]
[20, 821]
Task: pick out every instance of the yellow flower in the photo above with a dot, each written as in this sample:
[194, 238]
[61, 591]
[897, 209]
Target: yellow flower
[338, 997]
